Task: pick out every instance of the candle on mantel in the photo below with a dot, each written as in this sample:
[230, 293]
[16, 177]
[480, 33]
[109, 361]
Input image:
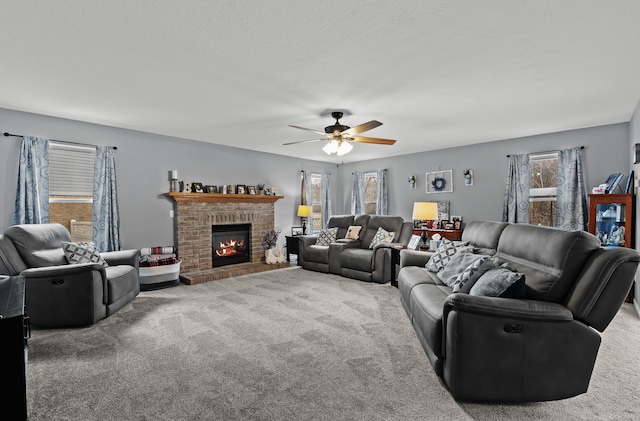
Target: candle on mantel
[174, 174]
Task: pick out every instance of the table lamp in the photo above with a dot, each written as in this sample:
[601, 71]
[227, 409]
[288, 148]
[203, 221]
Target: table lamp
[304, 211]
[425, 211]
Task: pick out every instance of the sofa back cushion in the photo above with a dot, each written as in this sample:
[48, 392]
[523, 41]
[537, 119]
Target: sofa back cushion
[484, 235]
[388, 223]
[342, 222]
[39, 245]
[10, 261]
[551, 259]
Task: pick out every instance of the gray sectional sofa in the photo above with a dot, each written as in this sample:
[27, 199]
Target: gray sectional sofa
[353, 258]
[537, 348]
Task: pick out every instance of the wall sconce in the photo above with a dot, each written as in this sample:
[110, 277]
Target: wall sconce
[468, 177]
[412, 181]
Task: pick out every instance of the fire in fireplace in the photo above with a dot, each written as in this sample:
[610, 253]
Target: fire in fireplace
[230, 244]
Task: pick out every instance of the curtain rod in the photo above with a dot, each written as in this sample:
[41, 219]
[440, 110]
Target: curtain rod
[543, 152]
[56, 140]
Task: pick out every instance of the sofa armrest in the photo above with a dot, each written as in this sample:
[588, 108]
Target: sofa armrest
[414, 258]
[507, 308]
[307, 240]
[63, 270]
[122, 257]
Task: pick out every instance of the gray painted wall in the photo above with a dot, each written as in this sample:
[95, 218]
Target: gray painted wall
[634, 137]
[144, 160]
[606, 152]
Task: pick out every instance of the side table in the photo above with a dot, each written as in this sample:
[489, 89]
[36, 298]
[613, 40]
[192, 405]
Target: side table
[395, 261]
[293, 246]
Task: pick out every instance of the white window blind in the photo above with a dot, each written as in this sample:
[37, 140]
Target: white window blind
[71, 169]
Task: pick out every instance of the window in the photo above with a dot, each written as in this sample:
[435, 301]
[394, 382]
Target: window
[543, 181]
[71, 187]
[370, 193]
[316, 202]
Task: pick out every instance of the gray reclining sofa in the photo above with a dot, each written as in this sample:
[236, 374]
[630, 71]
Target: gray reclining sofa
[537, 347]
[353, 258]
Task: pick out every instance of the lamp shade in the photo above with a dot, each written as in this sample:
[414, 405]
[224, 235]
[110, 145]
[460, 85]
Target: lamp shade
[426, 211]
[304, 211]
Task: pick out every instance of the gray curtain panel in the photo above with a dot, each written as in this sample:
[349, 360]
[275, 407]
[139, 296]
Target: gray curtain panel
[571, 205]
[357, 193]
[105, 217]
[516, 196]
[32, 190]
[326, 199]
[382, 207]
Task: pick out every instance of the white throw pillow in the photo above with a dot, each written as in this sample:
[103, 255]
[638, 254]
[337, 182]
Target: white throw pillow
[382, 236]
[353, 232]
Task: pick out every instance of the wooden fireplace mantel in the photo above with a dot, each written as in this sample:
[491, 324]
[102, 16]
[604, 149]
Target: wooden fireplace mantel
[222, 198]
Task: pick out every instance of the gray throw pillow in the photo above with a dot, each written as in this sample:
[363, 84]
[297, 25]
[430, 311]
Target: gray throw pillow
[456, 266]
[82, 252]
[327, 236]
[472, 273]
[495, 282]
[441, 256]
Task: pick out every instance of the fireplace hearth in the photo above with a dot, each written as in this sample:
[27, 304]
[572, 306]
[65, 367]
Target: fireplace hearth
[230, 244]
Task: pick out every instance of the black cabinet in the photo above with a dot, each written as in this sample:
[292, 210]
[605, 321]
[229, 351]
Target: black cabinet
[293, 246]
[14, 331]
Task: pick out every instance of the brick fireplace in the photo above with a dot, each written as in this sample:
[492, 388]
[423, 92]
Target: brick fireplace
[196, 213]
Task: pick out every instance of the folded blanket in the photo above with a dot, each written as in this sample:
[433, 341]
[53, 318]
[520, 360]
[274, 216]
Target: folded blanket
[159, 262]
[158, 250]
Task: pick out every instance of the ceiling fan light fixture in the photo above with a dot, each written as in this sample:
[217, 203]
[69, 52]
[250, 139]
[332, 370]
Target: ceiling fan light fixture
[331, 147]
[344, 148]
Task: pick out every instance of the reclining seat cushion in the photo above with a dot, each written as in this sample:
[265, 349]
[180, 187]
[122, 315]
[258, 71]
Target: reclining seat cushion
[317, 254]
[10, 261]
[410, 276]
[551, 259]
[357, 259]
[39, 245]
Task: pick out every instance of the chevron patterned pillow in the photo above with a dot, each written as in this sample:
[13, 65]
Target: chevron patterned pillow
[82, 252]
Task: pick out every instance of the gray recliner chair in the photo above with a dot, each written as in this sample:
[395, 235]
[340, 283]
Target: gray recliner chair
[61, 294]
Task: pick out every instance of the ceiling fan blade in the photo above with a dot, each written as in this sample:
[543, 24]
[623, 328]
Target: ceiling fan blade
[361, 128]
[304, 141]
[309, 130]
[376, 140]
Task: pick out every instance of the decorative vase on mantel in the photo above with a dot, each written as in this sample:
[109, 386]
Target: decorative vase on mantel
[261, 189]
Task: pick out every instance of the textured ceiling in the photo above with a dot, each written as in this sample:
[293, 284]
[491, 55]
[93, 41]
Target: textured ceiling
[436, 73]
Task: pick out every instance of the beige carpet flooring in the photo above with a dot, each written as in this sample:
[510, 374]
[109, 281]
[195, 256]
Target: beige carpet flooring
[283, 345]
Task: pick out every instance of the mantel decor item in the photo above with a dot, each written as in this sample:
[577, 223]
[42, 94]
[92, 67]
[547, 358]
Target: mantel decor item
[174, 181]
[440, 182]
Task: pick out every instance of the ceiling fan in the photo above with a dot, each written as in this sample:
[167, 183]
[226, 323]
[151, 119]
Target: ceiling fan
[340, 136]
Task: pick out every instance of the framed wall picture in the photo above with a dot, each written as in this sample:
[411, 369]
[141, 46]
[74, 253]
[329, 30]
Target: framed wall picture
[440, 182]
